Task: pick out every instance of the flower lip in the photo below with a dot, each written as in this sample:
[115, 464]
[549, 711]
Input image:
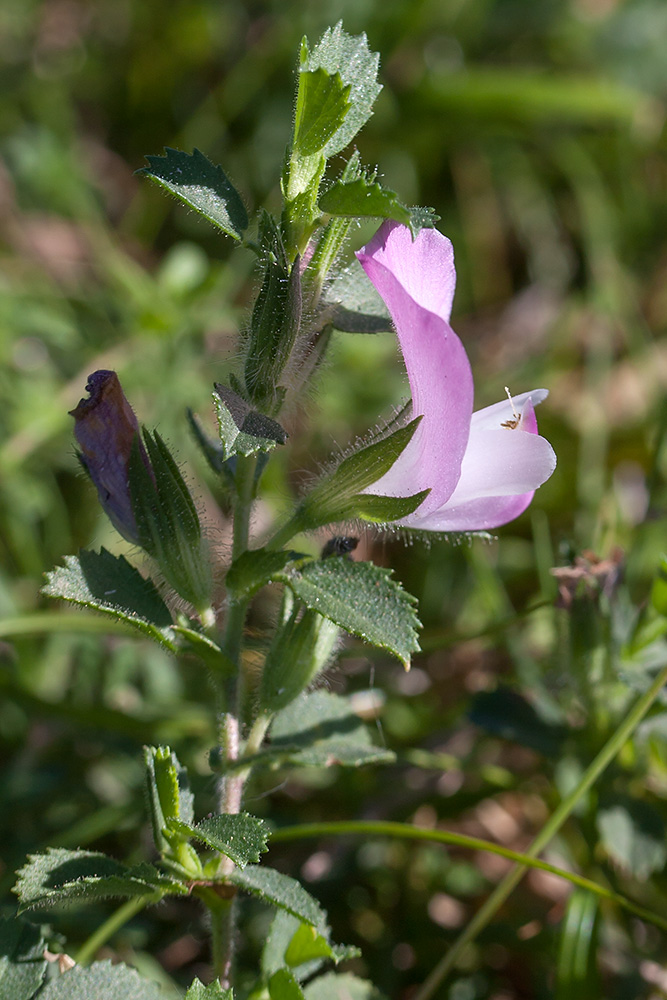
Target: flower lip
[482, 468]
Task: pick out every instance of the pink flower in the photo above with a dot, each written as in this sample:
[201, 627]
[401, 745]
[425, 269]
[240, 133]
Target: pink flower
[482, 468]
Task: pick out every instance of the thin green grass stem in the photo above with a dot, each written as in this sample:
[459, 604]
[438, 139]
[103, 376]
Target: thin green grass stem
[487, 912]
[111, 925]
[404, 831]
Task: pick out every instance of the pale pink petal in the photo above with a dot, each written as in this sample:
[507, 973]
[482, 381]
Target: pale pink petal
[498, 413]
[475, 515]
[423, 266]
[416, 280]
[500, 471]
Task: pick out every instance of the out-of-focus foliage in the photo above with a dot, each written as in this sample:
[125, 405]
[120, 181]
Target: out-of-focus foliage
[536, 132]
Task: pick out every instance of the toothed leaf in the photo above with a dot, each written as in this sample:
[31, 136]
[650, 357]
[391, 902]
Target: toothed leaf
[110, 584]
[281, 891]
[194, 180]
[241, 837]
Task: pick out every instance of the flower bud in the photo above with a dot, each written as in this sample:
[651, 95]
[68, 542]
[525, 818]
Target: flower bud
[301, 649]
[141, 488]
[106, 429]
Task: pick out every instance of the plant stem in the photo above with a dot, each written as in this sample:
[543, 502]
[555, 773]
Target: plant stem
[89, 949]
[489, 909]
[223, 927]
[230, 790]
[404, 831]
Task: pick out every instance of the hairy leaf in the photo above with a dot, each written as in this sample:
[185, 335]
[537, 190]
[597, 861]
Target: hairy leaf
[343, 986]
[214, 991]
[253, 570]
[321, 108]
[240, 836]
[243, 431]
[101, 981]
[319, 729]
[362, 598]
[22, 965]
[194, 180]
[283, 986]
[281, 891]
[353, 303]
[112, 585]
[64, 877]
[348, 55]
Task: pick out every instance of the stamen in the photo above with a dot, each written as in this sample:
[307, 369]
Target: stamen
[516, 418]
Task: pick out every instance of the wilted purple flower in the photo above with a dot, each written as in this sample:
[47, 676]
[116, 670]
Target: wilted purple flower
[482, 468]
[105, 430]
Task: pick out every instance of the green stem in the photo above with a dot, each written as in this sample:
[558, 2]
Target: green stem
[284, 534]
[489, 909]
[230, 791]
[403, 831]
[223, 923]
[118, 919]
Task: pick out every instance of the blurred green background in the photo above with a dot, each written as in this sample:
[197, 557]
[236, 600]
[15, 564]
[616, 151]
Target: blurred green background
[536, 130]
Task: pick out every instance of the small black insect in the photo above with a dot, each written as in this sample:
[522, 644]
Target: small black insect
[339, 545]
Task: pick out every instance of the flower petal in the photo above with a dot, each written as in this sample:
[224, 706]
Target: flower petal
[416, 280]
[475, 515]
[500, 471]
[423, 266]
[497, 414]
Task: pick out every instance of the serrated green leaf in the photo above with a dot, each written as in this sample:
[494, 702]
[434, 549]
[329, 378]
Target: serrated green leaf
[101, 981]
[281, 891]
[362, 598]
[422, 217]
[363, 198]
[110, 584]
[283, 986]
[194, 180]
[253, 570]
[239, 836]
[243, 431]
[343, 986]
[321, 107]
[22, 965]
[214, 991]
[319, 729]
[63, 877]
[348, 55]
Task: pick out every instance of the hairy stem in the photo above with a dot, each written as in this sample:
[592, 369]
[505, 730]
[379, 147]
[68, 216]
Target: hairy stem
[487, 912]
[230, 789]
[223, 929]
